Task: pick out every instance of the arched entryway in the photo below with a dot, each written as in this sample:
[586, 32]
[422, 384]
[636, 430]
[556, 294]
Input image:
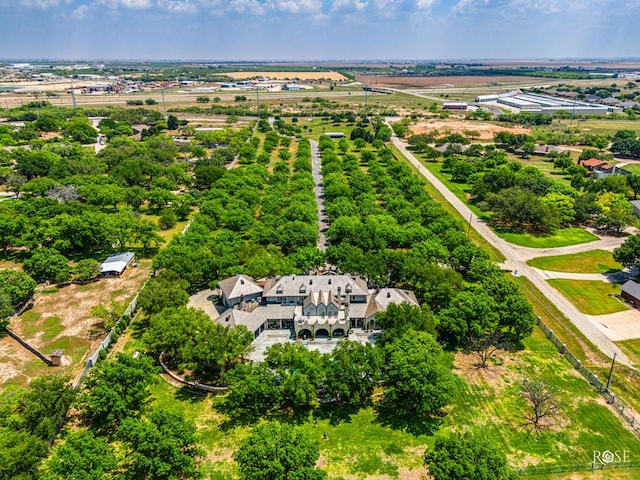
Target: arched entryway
[322, 333]
[305, 334]
[338, 332]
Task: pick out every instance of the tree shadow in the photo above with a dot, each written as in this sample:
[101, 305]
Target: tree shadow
[336, 414]
[413, 424]
[185, 394]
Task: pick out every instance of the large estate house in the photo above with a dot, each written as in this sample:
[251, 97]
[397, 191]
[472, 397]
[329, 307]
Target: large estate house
[312, 306]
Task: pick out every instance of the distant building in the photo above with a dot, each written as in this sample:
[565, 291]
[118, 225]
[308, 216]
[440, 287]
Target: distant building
[334, 134]
[536, 103]
[292, 87]
[459, 106]
[116, 264]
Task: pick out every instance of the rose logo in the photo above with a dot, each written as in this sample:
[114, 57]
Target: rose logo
[607, 456]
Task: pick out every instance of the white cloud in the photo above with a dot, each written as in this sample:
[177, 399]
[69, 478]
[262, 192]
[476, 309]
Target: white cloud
[130, 4]
[349, 6]
[296, 6]
[179, 6]
[41, 4]
[81, 12]
[425, 4]
[523, 7]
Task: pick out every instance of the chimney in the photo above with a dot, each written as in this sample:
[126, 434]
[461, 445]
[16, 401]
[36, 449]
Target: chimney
[388, 294]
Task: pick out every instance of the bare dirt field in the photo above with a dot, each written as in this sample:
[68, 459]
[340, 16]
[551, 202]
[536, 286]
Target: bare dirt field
[61, 318]
[447, 126]
[450, 81]
[338, 77]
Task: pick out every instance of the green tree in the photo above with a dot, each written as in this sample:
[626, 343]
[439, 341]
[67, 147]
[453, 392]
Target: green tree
[163, 291]
[82, 456]
[471, 314]
[46, 405]
[417, 381]
[398, 318]
[48, 265]
[615, 211]
[116, 389]
[190, 339]
[254, 391]
[19, 286]
[634, 184]
[277, 451]
[20, 453]
[87, 269]
[628, 254]
[80, 130]
[168, 219]
[162, 448]
[352, 372]
[466, 457]
[172, 122]
[563, 162]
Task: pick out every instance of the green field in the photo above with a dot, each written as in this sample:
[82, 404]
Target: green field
[561, 238]
[591, 297]
[593, 261]
[632, 168]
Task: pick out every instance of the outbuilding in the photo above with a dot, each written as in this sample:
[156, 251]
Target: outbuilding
[116, 264]
[631, 292]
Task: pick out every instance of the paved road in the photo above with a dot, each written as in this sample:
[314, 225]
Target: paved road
[318, 189]
[515, 260]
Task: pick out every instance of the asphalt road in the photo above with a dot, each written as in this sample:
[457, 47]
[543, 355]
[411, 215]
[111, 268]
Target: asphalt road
[516, 261]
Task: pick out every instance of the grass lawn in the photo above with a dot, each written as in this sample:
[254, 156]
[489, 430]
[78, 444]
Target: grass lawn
[562, 238]
[489, 402]
[593, 261]
[632, 349]
[591, 297]
[632, 168]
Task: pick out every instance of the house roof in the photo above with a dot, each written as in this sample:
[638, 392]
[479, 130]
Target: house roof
[289, 285]
[238, 286]
[117, 262]
[631, 288]
[387, 296]
[256, 318]
[592, 162]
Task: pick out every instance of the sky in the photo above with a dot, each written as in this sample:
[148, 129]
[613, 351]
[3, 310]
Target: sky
[246, 30]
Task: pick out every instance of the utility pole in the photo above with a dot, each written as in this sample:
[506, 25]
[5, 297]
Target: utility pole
[611, 371]
[164, 108]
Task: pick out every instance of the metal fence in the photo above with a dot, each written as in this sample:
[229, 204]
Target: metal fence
[104, 344]
[627, 412]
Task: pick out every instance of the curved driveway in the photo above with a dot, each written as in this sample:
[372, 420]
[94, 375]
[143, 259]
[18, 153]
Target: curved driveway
[517, 256]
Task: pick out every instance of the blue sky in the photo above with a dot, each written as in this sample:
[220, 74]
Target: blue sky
[318, 29]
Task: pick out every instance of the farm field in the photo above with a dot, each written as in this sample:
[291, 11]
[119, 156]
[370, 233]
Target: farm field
[289, 75]
[448, 81]
[592, 297]
[593, 261]
[449, 126]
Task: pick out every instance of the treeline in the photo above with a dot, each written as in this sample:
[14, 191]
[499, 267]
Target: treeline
[524, 199]
[626, 143]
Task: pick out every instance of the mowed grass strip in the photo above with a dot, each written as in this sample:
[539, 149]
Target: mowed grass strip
[632, 349]
[561, 238]
[592, 297]
[593, 261]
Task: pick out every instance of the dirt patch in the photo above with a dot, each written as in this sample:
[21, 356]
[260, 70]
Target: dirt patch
[338, 77]
[494, 375]
[447, 127]
[61, 318]
[414, 474]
